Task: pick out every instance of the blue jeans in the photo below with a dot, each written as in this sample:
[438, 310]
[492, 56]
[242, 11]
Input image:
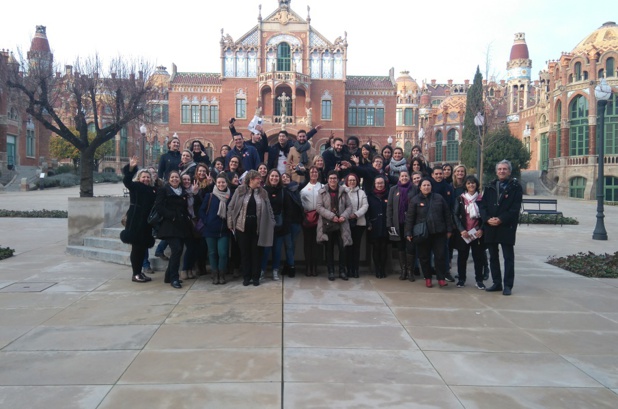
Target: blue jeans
[146, 262]
[276, 250]
[217, 252]
[161, 247]
[290, 243]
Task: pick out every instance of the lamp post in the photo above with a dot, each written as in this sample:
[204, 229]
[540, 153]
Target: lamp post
[479, 120]
[143, 130]
[603, 93]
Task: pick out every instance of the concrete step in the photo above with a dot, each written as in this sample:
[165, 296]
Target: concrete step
[112, 232]
[107, 243]
[114, 256]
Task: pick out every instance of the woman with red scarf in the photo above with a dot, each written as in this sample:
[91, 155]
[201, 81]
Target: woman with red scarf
[378, 233]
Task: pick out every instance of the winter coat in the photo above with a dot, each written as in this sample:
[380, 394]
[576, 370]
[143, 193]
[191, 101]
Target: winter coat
[275, 150]
[237, 212]
[376, 216]
[460, 215]
[506, 207]
[392, 210]
[142, 197]
[344, 210]
[295, 212]
[281, 203]
[188, 169]
[173, 208]
[249, 157]
[360, 205]
[437, 214]
[214, 226]
[168, 162]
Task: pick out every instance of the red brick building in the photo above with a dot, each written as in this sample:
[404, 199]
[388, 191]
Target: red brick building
[286, 71]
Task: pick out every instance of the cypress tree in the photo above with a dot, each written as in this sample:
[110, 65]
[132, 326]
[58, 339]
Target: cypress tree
[470, 136]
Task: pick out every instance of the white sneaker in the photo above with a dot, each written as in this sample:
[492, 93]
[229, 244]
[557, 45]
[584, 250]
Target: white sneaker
[275, 275]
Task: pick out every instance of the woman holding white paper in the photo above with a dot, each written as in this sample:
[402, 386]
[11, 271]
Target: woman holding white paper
[468, 221]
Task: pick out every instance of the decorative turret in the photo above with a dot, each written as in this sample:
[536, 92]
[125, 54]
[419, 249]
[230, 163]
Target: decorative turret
[519, 70]
[40, 55]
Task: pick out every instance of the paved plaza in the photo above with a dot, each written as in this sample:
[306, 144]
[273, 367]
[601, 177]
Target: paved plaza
[76, 333]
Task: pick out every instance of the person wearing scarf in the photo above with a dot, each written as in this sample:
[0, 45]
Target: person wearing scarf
[398, 163]
[357, 221]
[301, 155]
[378, 232]
[176, 226]
[468, 217]
[398, 199]
[187, 166]
[213, 214]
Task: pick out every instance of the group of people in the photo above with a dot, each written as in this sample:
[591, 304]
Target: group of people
[254, 200]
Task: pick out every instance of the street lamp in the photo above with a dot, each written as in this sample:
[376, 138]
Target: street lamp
[603, 93]
[143, 130]
[479, 120]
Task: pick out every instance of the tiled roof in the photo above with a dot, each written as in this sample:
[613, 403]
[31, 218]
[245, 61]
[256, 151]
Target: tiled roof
[197, 78]
[369, 82]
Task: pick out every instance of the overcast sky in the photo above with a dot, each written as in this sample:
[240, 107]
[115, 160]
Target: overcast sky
[439, 40]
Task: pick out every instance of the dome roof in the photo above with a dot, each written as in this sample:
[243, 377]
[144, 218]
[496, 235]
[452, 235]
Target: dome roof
[603, 39]
[519, 50]
[405, 83]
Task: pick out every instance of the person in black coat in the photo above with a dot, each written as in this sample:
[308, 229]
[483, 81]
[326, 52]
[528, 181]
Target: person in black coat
[170, 160]
[199, 153]
[432, 209]
[294, 218]
[500, 209]
[137, 231]
[176, 227]
[376, 221]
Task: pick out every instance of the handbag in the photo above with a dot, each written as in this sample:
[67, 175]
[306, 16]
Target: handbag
[311, 218]
[154, 218]
[420, 233]
[329, 226]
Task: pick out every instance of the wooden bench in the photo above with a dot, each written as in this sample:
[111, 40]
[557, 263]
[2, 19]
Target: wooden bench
[540, 207]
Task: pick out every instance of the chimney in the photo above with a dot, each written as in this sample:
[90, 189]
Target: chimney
[433, 82]
[450, 82]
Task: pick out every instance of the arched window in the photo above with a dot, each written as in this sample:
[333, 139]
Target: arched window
[558, 128]
[283, 57]
[452, 146]
[439, 146]
[577, 185]
[578, 132]
[578, 71]
[610, 68]
[611, 126]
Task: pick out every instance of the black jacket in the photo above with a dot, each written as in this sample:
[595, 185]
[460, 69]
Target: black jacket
[437, 214]
[167, 163]
[505, 206]
[137, 230]
[176, 221]
[376, 216]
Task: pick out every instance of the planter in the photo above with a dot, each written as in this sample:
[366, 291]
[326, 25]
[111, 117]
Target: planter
[89, 215]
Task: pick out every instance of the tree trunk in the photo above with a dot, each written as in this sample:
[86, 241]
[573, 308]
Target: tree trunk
[86, 166]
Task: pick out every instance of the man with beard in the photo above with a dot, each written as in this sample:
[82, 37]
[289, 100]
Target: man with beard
[301, 154]
[334, 156]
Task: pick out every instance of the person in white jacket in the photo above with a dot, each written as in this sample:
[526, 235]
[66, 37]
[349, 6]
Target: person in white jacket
[357, 221]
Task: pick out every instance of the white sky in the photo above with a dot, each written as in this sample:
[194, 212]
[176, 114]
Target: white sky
[439, 40]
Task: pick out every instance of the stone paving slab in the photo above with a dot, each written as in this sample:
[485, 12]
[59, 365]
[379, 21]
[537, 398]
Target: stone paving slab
[94, 339]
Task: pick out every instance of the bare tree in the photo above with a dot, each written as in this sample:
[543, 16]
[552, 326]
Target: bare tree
[86, 94]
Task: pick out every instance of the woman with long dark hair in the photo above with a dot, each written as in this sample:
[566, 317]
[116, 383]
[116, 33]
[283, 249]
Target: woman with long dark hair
[137, 231]
[470, 225]
[280, 204]
[176, 227]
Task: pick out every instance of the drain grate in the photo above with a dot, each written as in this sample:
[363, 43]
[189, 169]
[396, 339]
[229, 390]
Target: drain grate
[26, 287]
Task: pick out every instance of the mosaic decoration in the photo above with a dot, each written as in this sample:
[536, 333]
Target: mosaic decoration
[316, 41]
[290, 39]
[251, 39]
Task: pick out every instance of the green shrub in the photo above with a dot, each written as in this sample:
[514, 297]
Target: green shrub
[62, 180]
[6, 252]
[64, 169]
[106, 177]
[48, 214]
[546, 219]
[588, 264]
